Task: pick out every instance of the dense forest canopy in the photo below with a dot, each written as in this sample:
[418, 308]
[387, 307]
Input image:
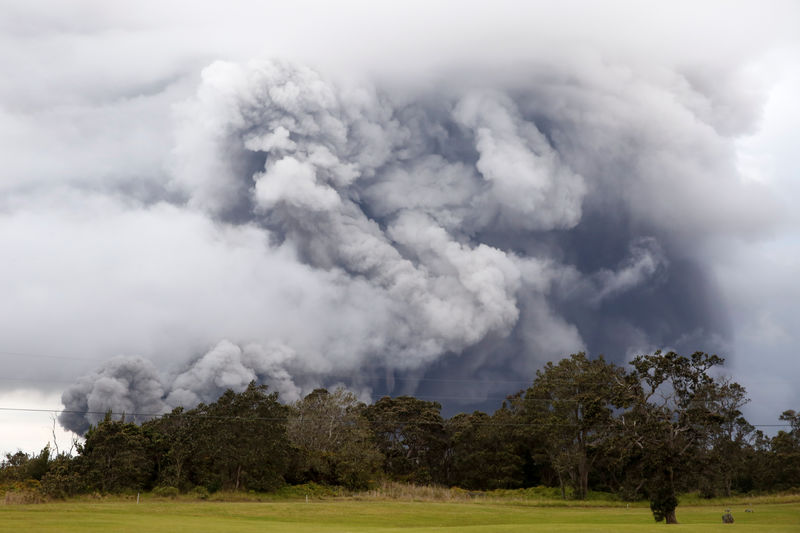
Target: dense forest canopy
[665, 425]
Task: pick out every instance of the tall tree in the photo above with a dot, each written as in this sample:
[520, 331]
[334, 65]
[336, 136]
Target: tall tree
[785, 447]
[332, 439]
[411, 436]
[675, 414]
[115, 456]
[241, 440]
[569, 412]
[482, 453]
[173, 446]
[730, 438]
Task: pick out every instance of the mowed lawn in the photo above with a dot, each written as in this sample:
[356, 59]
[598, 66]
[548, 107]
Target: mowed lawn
[375, 516]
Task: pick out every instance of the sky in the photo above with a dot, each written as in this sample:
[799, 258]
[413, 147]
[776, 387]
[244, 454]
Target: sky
[411, 198]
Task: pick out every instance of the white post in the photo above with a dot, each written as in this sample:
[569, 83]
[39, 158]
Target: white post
[137, 498]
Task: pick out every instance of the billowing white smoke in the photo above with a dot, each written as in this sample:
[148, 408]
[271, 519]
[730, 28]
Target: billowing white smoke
[387, 204]
[228, 366]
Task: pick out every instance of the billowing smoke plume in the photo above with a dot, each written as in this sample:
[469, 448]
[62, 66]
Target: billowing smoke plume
[124, 385]
[458, 232]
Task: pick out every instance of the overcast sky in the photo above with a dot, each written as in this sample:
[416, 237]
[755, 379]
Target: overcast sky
[420, 197]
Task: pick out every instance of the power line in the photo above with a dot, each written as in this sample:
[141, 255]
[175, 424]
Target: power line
[312, 419]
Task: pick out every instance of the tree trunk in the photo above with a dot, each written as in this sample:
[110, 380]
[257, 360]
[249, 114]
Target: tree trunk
[178, 472]
[583, 478]
[669, 516]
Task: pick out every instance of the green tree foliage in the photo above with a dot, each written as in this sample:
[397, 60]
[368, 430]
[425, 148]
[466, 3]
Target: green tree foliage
[664, 426]
[332, 441]
[411, 436]
[240, 440]
[793, 418]
[65, 477]
[729, 440]
[569, 413]
[20, 466]
[173, 445]
[115, 456]
[785, 453]
[482, 453]
[676, 412]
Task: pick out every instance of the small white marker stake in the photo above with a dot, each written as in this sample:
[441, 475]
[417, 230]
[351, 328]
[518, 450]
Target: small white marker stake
[137, 498]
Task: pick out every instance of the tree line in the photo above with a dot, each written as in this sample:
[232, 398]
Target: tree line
[663, 425]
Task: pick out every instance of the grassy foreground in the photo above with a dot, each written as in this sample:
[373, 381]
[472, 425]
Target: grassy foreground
[376, 516]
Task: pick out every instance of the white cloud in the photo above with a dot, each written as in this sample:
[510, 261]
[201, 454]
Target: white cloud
[31, 430]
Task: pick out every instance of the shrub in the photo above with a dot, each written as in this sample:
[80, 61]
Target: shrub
[24, 492]
[63, 479]
[166, 492]
[200, 492]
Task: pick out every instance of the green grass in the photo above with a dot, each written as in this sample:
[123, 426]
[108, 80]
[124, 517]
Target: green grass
[356, 516]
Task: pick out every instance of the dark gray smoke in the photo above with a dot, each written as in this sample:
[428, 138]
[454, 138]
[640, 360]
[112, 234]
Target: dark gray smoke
[453, 238]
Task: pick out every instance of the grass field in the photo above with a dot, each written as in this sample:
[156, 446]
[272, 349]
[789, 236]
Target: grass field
[347, 515]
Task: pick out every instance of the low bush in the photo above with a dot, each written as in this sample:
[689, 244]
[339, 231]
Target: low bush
[23, 492]
[200, 492]
[166, 492]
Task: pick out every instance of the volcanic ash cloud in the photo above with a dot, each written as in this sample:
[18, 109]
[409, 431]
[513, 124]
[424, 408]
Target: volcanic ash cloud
[426, 227]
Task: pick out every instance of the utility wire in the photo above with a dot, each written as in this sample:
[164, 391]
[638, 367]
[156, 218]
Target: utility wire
[311, 419]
